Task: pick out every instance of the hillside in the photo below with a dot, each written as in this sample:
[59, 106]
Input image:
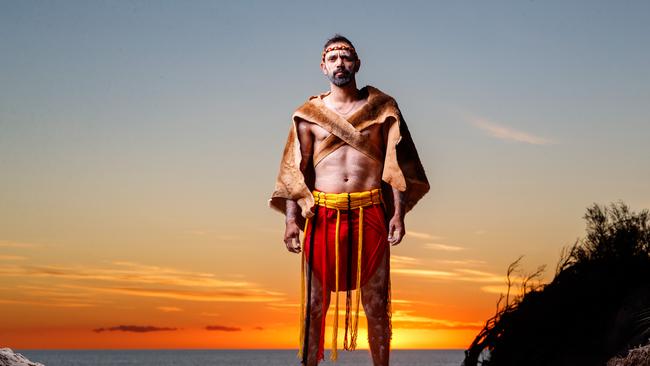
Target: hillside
[596, 307]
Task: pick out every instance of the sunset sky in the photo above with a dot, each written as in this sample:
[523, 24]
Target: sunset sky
[140, 142]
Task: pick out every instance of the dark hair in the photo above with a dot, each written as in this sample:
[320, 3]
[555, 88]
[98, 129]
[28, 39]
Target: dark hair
[337, 38]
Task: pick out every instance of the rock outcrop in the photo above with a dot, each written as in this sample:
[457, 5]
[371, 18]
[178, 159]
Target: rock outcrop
[635, 357]
[9, 358]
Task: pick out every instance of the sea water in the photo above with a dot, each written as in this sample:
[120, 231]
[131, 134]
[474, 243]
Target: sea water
[231, 357]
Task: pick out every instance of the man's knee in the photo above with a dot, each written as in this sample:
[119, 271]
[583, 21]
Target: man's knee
[318, 305]
[376, 307]
[374, 296]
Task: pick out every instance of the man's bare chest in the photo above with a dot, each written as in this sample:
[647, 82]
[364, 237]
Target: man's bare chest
[373, 135]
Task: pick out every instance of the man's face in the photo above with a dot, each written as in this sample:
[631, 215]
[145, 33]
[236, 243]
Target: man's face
[340, 65]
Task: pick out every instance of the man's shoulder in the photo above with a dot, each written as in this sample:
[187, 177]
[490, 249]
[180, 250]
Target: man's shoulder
[311, 100]
[380, 98]
[309, 105]
[373, 94]
[378, 105]
[307, 111]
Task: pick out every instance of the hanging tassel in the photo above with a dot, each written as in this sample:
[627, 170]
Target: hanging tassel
[348, 279]
[355, 324]
[305, 347]
[389, 305]
[302, 291]
[334, 354]
[325, 286]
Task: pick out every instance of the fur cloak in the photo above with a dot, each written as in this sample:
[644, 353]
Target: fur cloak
[402, 167]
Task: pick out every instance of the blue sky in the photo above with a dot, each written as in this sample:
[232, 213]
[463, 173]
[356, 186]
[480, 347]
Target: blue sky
[195, 96]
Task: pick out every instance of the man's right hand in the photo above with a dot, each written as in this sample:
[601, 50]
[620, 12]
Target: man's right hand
[292, 237]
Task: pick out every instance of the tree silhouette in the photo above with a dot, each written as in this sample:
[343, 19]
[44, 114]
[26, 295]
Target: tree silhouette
[596, 306]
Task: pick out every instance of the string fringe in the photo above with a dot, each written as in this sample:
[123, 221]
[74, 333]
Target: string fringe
[334, 354]
[303, 293]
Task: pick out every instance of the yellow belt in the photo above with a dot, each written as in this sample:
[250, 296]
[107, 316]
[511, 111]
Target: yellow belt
[343, 201]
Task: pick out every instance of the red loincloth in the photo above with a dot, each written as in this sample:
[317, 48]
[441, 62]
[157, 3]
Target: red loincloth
[375, 243]
[375, 234]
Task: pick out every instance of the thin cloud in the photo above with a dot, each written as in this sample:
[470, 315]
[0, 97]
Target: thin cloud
[507, 133]
[476, 272]
[496, 289]
[169, 309]
[128, 278]
[481, 276]
[400, 301]
[399, 260]
[133, 329]
[515, 288]
[283, 307]
[421, 235]
[424, 273]
[48, 303]
[126, 272]
[8, 257]
[406, 318]
[462, 262]
[222, 328]
[258, 328]
[445, 247]
[16, 244]
[459, 274]
[53, 296]
[193, 295]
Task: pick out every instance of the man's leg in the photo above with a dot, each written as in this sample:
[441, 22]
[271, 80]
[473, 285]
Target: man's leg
[374, 295]
[318, 309]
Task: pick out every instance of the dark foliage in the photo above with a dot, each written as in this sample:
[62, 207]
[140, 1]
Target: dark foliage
[595, 308]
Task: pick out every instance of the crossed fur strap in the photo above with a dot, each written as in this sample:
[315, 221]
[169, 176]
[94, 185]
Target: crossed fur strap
[333, 142]
[345, 131]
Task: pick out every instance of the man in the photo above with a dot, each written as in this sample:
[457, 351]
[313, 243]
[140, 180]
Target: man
[349, 174]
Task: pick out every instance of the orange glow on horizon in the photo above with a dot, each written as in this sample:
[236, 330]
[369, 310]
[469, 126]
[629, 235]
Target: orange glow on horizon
[282, 338]
[137, 305]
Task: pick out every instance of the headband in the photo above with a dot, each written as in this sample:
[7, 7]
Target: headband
[341, 47]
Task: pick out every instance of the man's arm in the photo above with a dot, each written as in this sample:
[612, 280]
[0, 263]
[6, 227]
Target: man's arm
[292, 231]
[396, 228]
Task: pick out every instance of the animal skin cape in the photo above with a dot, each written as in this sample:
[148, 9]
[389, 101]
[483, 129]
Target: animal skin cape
[402, 167]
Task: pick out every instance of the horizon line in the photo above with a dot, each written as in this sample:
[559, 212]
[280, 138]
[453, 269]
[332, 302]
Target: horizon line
[212, 349]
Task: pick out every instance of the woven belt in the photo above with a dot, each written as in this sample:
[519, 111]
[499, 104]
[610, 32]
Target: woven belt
[343, 201]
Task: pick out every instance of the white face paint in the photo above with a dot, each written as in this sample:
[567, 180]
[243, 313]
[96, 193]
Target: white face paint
[340, 66]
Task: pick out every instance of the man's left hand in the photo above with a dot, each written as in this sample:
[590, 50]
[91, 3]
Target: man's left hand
[396, 230]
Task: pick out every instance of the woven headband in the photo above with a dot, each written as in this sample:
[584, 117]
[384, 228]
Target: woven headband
[341, 47]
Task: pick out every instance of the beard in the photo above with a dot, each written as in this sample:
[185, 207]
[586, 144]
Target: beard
[340, 80]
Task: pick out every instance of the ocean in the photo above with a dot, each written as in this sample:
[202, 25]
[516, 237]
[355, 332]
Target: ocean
[230, 357]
